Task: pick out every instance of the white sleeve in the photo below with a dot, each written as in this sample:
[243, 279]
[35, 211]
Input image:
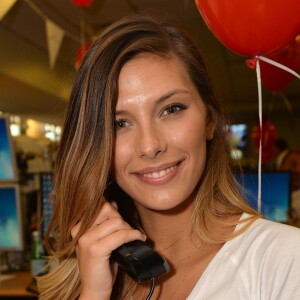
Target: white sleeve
[280, 276]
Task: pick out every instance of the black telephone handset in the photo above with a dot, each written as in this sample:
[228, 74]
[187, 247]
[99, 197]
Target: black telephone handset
[136, 258]
[140, 261]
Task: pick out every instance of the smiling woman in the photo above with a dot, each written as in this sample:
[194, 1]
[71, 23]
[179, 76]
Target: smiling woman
[145, 129]
[163, 143]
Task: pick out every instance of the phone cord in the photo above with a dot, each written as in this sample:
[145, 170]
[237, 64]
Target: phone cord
[152, 289]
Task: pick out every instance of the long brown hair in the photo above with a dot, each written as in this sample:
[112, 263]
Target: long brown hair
[84, 164]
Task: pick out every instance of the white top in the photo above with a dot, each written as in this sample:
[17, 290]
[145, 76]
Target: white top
[263, 263]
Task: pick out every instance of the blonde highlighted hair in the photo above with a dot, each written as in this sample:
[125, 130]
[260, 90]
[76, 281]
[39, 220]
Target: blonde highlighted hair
[84, 163]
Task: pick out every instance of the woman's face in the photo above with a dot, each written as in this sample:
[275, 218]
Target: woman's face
[161, 132]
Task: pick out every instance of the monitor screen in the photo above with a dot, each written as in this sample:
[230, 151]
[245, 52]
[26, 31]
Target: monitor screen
[239, 132]
[46, 205]
[275, 193]
[237, 138]
[11, 232]
[8, 171]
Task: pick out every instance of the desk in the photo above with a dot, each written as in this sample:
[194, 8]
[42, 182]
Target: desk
[14, 286]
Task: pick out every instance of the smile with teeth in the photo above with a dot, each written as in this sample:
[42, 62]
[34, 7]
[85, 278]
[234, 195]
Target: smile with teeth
[160, 173]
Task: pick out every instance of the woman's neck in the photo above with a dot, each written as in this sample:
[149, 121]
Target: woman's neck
[167, 229]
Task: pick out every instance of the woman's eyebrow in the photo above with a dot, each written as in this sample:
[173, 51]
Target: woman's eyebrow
[161, 98]
[171, 94]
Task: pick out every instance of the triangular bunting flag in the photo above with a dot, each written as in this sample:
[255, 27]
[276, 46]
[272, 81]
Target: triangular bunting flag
[54, 39]
[5, 6]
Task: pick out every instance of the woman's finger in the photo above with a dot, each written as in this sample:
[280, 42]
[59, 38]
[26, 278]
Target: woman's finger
[106, 228]
[103, 247]
[108, 211]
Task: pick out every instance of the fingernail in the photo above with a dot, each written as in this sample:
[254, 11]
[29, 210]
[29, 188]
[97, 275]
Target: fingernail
[114, 204]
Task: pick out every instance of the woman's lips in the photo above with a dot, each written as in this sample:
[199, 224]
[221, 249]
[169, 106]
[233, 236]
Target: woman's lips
[158, 175]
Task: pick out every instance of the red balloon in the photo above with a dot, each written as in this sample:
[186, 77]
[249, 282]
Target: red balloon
[267, 133]
[82, 2]
[80, 53]
[276, 79]
[252, 27]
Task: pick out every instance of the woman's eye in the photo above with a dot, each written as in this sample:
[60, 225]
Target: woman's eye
[173, 109]
[120, 124]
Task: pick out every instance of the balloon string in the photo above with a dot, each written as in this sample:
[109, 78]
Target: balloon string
[258, 75]
[278, 65]
[260, 139]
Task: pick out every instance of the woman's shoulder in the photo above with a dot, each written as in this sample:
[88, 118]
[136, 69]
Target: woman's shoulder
[267, 236]
[274, 254]
[264, 247]
[270, 230]
[262, 262]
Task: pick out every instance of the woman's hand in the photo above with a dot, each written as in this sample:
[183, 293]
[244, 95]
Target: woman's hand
[97, 272]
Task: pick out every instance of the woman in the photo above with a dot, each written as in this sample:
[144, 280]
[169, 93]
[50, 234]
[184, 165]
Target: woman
[144, 129]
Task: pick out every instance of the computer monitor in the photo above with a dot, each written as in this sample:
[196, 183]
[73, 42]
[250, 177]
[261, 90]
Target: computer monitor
[45, 203]
[275, 193]
[8, 169]
[11, 229]
[237, 138]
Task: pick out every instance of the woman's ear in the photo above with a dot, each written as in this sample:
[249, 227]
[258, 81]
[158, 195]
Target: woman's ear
[210, 126]
[210, 130]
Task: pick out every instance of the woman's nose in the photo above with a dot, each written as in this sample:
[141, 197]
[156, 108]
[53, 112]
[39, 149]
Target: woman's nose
[151, 142]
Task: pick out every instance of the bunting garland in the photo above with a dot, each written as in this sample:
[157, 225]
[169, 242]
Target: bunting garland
[54, 40]
[54, 33]
[5, 6]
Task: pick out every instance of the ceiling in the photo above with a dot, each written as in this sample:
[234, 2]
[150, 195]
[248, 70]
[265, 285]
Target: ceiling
[31, 89]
